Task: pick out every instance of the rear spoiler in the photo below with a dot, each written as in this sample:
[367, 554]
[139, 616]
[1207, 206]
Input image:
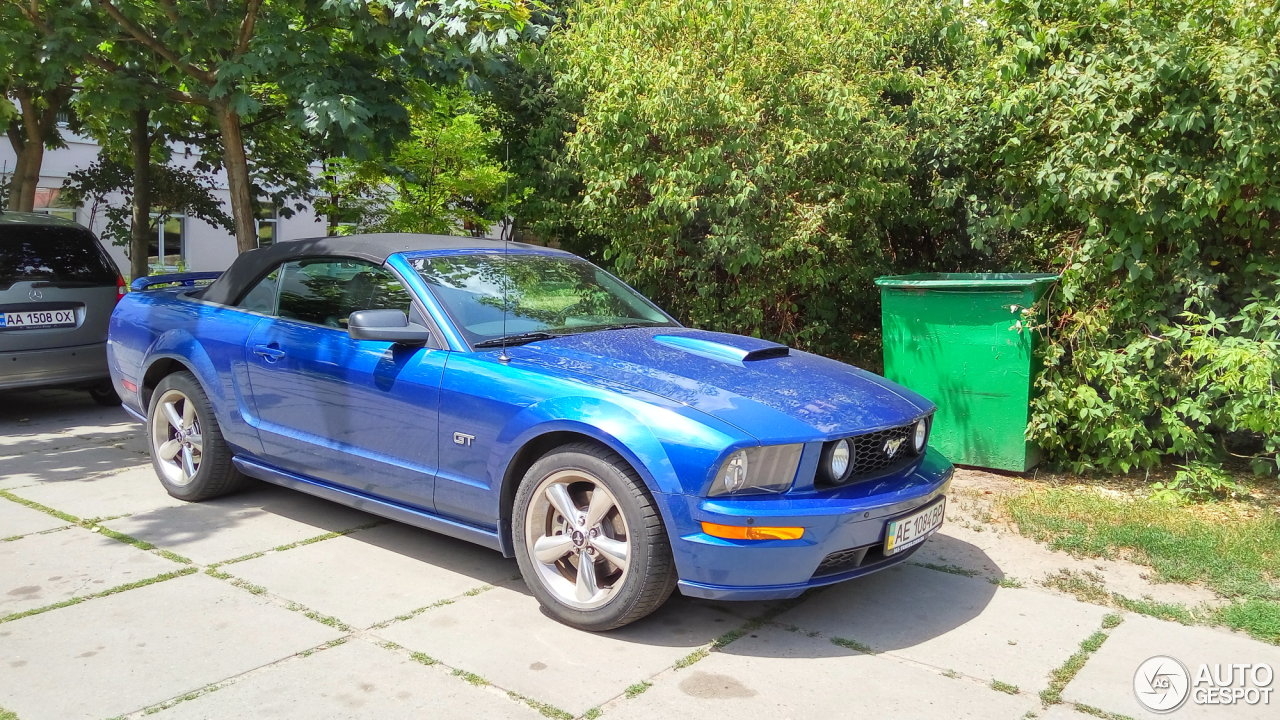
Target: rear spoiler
[159, 282]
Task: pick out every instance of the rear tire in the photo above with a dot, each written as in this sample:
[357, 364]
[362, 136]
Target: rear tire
[188, 452]
[582, 505]
[104, 394]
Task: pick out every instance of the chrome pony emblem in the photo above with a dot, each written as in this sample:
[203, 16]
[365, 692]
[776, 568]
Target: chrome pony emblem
[891, 446]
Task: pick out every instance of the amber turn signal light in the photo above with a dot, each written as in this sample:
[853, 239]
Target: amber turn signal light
[752, 532]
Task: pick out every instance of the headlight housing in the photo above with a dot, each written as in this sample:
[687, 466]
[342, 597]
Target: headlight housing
[769, 469]
[920, 435]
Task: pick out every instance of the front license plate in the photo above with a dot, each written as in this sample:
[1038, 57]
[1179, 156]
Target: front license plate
[35, 319]
[907, 532]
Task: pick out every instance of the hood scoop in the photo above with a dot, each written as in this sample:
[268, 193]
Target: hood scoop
[721, 351]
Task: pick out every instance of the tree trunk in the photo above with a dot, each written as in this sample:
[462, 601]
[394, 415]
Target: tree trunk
[140, 235]
[236, 164]
[37, 123]
[16, 179]
[30, 161]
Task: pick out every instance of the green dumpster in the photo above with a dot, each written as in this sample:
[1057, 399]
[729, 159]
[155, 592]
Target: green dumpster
[961, 340]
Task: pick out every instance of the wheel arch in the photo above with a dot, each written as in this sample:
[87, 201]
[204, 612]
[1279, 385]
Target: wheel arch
[158, 369]
[536, 442]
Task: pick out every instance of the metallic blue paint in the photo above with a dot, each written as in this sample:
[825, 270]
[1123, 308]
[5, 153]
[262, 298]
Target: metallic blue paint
[372, 425]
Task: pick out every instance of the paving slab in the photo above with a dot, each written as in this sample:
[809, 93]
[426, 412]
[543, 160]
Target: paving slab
[503, 636]
[376, 574]
[17, 519]
[261, 518]
[131, 491]
[353, 681]
[1106, 681]
[40, 570]
[953, 622]
[778, 674]
[68, 463]
[115, 655]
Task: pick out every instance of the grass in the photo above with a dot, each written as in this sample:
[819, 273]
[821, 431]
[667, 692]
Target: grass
[1237, 559]
[691, 658]
[547, 710]
[1091, 710]
[953, 569]
[591, 714]
[327, 620]
[1004, 687]
[853, 645]
[638, 688]
[423, 658]
[8, 714]
[1060, 676]
[109, 591]
[1008, 581]
[471, 677]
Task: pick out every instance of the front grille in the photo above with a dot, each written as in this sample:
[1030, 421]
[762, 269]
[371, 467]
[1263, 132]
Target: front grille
[871, 459]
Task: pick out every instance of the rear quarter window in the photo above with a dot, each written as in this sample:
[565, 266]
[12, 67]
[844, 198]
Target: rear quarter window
[64, 256]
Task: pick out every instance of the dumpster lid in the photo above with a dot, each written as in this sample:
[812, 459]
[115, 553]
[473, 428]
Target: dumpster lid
[967, 280]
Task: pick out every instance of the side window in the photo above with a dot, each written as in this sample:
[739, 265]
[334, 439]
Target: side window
[326, 292]
[262, 298]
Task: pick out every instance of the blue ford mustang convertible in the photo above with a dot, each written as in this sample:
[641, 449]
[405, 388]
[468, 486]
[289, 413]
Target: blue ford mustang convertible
[523, 399]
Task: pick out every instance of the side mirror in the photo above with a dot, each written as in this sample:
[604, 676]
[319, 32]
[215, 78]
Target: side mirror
[387, 326]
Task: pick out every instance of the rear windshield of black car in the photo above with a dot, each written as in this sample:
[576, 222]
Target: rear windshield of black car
[63, 256]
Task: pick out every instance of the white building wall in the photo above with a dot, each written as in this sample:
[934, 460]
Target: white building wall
[206, 247]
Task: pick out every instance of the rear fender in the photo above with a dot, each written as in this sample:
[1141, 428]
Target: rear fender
[179, 345]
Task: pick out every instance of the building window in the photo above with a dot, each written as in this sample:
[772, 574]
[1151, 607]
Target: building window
[267, 224]
[166, 251]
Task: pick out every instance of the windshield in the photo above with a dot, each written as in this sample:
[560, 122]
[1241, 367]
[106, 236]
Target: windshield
[545, 294]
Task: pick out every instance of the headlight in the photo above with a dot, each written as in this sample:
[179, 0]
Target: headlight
[758, 470]
[837, 460]
[920, 436]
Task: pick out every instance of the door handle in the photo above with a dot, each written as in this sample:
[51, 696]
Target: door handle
[268, 353]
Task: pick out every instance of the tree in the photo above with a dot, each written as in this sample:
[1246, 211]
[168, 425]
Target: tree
[335, 68]
[38, 71]
[447, 175]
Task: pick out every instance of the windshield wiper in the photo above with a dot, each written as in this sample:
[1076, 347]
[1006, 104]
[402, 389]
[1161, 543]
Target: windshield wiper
[519, 339]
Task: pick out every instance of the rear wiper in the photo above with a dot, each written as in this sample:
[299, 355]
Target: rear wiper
[519, 339]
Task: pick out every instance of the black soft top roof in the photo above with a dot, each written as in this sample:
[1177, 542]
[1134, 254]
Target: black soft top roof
[249, 267]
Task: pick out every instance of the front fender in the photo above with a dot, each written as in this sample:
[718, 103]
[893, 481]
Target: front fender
[670, 450]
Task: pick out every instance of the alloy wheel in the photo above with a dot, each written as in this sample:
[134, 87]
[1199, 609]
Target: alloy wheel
[175, 438]
[577, 539]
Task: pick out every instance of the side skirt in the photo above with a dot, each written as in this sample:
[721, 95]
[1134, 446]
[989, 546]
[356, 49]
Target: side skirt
[368, 504]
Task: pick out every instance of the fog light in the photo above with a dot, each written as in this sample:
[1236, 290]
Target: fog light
[752, 532]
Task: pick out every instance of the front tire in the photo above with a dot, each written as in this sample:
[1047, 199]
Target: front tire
[188, 452]
[579, 506]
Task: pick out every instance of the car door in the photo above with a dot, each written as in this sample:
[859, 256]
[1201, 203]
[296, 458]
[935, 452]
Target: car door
[362, 414]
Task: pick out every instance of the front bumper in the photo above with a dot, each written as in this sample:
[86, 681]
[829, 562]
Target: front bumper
[850, 521]
[55, 366]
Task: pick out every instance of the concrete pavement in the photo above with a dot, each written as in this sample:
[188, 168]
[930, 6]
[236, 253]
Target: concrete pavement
[118, 601]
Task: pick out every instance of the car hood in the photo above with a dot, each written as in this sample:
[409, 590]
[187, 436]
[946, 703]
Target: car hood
[766, 390]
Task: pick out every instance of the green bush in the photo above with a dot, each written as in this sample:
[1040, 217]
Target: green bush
[750, 163]
[1136, 151]
[755, 165]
